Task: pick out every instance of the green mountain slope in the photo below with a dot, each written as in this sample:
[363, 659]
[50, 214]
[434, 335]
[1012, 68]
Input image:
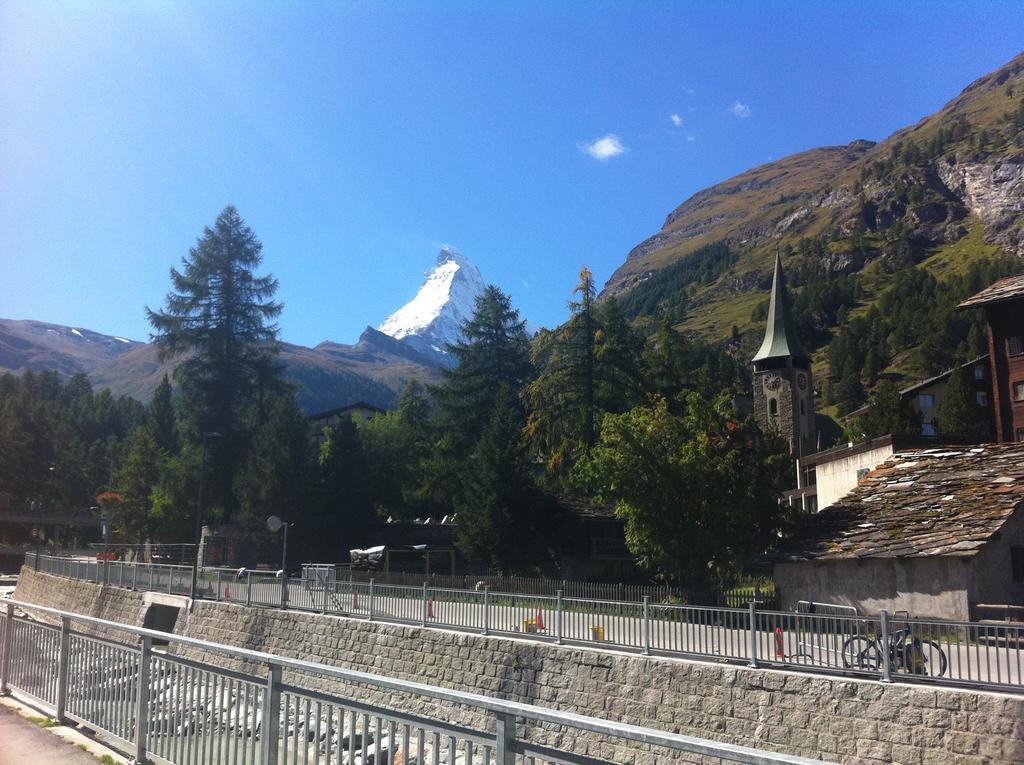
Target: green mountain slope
[938, 207]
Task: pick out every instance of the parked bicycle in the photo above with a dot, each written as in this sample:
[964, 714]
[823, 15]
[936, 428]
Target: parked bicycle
[907, 653]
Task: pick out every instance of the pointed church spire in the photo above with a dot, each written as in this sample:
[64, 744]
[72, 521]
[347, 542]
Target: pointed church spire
[780, 334]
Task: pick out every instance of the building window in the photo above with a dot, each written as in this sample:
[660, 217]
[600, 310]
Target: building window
[1015, 345]
[926, 401]
[979, 371]
[773, 407]
[929, 429]
[1018, 390]
[1017, 563]
[981, 397]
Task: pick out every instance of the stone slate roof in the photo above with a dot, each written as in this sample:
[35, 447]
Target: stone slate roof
[1010, 288]
[946, 501]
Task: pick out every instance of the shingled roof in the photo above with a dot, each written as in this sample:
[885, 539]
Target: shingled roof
[921, 503]
[1010, 288]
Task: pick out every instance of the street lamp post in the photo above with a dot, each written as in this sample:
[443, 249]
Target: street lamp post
[275, 524]
[198, 517]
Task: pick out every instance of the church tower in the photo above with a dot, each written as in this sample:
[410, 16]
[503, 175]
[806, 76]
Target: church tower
[783, 389]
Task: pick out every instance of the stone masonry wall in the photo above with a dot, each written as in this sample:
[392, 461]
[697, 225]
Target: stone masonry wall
[110, 603]
[854, 722]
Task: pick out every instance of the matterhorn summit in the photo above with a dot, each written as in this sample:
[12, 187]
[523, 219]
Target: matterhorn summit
[433, 319]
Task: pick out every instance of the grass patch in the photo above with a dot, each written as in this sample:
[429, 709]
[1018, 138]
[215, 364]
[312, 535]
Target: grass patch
[43, 722]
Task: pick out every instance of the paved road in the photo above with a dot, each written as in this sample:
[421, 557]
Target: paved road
[25, 743]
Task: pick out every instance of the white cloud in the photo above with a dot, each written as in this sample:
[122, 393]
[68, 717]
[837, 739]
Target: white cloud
[691, 138]
[676, 119]
[739, 110]
[602, 148]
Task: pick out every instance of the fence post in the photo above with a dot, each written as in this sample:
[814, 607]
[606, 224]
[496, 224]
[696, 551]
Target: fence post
[271, 715]
[63, 661]
[5, 655]
[135, 575]
[886, 663]
[217, 597]
[753, 634]
[248, 588]
[369, 611]
[284, 591]
[647, 625]
[142, 700]
[487, 609]
[558, 617]
[504, 739]
[423, 614]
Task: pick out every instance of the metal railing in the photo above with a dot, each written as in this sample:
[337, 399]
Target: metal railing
[164, 707]
[827, 641]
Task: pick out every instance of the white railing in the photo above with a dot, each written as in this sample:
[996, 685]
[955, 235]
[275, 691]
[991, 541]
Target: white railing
[163, 707]
[827, 640]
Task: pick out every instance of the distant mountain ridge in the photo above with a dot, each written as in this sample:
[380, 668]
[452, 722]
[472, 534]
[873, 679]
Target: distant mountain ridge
[411, 345]
[376, 369]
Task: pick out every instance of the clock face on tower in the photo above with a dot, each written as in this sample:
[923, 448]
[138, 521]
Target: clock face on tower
[773, 382]
[801, 381]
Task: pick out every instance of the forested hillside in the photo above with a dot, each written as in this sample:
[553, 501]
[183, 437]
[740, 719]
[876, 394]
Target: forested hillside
[880, 241]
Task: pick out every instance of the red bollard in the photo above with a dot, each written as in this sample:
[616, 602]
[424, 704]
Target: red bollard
[430, 608]
[540, 620]
[779, 654]
[227, 592]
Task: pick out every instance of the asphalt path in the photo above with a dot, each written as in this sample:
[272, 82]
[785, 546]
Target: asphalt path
[25, 743]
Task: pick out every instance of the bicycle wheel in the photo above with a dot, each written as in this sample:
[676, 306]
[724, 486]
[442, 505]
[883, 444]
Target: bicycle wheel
[861, 652]
[935, 661]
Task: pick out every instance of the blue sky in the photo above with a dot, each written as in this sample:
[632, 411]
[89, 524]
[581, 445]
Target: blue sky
[356, 138]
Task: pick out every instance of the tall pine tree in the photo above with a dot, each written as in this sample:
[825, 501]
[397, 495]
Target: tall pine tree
[220, 318]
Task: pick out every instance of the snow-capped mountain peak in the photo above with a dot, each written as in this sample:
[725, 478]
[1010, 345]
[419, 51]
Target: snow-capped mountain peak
[433, 319]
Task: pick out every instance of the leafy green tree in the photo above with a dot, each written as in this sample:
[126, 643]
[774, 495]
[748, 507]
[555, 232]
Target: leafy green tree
[162, 423]
[503, 518]
[890, 413]
[676, 365]
[562, 398]
[494, 355]
[136, 480]
[850, 392]
[958, 411]
[698, 493]
[277, 473]
[343, 515]
[219, 317]
[397, 446]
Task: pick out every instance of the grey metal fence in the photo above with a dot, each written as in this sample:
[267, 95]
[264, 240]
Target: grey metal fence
[832, 641]
[165, 708]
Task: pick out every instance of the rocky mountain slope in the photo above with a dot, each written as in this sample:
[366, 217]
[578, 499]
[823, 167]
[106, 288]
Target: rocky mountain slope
[938, 196]
[432, 320]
